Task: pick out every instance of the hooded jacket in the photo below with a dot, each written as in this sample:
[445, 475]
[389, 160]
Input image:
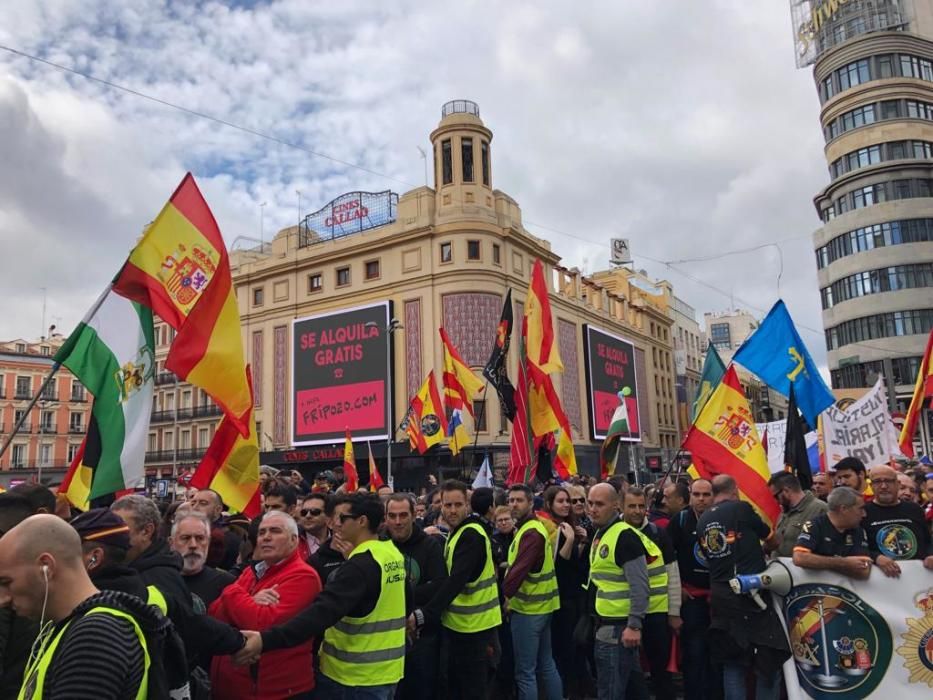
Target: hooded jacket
[278, 674]
[120, 578]
[424, 563]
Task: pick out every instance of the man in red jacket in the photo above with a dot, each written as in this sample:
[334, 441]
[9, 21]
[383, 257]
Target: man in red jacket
[268, 593]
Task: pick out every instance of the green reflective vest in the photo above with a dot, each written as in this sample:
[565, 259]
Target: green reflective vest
[370, 650]
[538, 593]
[657, 575]
[476, 607]
[613, 593]
[34, 676]
[154, 597]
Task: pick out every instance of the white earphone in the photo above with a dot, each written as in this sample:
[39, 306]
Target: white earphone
[45, 572]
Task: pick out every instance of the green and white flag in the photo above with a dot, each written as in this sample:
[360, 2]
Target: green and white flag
[619, 428]
[112, 353]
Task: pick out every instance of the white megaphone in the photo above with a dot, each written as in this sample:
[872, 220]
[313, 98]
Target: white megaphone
[776, 577]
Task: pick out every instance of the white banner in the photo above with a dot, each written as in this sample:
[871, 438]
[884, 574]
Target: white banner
[863, 430]
[855, 639]
[773, 435]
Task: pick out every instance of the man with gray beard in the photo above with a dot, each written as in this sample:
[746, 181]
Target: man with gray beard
[191, 538]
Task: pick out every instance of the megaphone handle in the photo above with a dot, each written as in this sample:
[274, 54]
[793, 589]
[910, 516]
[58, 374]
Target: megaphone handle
[758, 599]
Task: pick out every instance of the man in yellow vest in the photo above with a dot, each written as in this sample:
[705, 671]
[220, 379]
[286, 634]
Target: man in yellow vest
[360, 613]
[618, 592]
[467, 603]
[94, 645]
[530, 589]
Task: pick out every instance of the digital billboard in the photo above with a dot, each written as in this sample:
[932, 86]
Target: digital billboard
[610, 369]
[339, 375]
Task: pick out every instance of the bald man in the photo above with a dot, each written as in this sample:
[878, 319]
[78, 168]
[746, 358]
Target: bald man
[93, 649]
[896, 530]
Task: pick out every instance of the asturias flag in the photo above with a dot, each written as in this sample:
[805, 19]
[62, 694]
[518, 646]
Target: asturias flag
[723, 440]
[778, 356]
[181, 271]
[923, 390]
[112, 353]
[713, 369]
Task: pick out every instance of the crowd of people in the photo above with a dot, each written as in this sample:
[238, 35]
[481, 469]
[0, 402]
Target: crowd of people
[562, 590]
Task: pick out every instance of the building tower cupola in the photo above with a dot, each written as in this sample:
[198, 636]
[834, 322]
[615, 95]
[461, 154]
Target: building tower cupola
[462, 160]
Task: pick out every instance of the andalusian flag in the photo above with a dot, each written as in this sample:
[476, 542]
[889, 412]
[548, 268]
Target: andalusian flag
[112, 353]
[923, 390]
[713, 369]
[723, 440]
[180, 270]
[349, 465]
[231, 465]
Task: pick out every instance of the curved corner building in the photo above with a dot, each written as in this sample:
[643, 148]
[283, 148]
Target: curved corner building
[873, 69]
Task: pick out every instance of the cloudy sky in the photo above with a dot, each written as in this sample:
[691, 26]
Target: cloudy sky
[684, 126]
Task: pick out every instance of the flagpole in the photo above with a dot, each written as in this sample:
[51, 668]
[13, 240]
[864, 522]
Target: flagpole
[48, 378]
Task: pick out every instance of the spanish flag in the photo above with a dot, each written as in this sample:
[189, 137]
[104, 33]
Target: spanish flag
[923, 390]
[375, 478]
[231, 465]
[723, 440]
[181, 271]
[427, 421]
[542, 358]
[460, 384]
[349, 466]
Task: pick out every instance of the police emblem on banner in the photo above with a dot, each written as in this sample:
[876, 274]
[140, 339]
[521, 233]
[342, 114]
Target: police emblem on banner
[842, 646]
[917, 649]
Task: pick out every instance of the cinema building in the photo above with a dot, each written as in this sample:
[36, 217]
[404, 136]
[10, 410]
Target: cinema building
[873, 73]
[357, 292]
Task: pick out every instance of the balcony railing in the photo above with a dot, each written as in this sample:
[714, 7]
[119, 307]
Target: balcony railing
[185, 413]
[79, 398]
[48, 396]
[76, 429]
[160, 456]
[183, 454]
[22, 395]
[47, 428]
[165, 378]
[207, 410]
[163, 416]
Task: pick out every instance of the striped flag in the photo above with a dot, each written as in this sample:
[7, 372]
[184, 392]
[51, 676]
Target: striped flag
[349, 465]
[724, 440]
[112, 353]
[520, 446]
[181, 271]
[375, 478]
[923, 390]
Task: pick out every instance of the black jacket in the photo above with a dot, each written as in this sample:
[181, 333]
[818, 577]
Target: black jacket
[120, 578]
[16, 637]
[325, 560]
[424, 563]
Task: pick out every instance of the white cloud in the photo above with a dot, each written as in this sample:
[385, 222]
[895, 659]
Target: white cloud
[684, 126]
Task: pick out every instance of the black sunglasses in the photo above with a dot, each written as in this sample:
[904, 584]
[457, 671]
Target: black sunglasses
[344, 517]
[305, 512]
[578, 500]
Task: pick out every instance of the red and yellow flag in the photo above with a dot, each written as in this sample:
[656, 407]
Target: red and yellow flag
[231, 465]
[76, 486]
[461, 385]
[375, 478]
[427, 420]
[546, 414]
[723, 440]
[181, 271]
[349, 466]
[923, 390]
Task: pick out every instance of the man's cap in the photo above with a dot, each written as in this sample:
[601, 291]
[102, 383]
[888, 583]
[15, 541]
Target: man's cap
[104, 526]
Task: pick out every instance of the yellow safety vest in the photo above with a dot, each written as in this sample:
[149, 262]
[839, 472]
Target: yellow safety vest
[538, 593]
[476, 607]
[156, 598]
[657, 576]
[370, 650]
[613, 593]
[34, 677]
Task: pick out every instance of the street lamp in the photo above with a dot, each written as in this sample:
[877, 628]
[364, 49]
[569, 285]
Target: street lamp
[394, 325]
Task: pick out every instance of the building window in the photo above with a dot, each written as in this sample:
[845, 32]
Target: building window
[473, 250]
[484, 154]
[447, 168]
[21, 348]
[204, 437]
[46, 422]
[45, 454]
[898, 323]
[73, 449]
[24, 387]
[315, 283]
[372, 269]
[19, 456]
[496, 254]
[44, 350]
[343, 276]
[257, 296]
[479, 410]
[466, 155]
[50, 393]
[721, 336]
[446, 252]
[76, 423]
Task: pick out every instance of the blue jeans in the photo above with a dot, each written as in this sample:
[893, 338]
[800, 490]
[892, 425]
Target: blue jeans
[531, 643]
[328, 689]
[701, 680]
[615, 663]
[733, 680]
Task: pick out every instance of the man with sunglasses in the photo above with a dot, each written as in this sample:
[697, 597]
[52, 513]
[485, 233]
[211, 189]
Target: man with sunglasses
[313, 522]
[360, 613]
